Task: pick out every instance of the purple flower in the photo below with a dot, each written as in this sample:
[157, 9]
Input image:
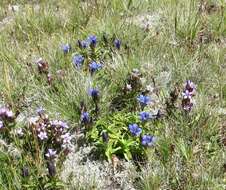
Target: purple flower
[135, 129]
[190, 86]
[186, 95]
[50, 153]
[1, 124]
[3, 111]
[9, 114]
[62, 124]
[94, 66]
[117, 43]
[66, 138]
[144, 116]
[42, 135]
[143, 100]
[148, 140]
[85, 117]
[78, 60]
[82, 44]
[92, 39]
[94, 93]
[66, 48]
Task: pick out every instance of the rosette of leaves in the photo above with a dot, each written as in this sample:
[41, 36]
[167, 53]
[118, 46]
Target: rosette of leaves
[111, 136]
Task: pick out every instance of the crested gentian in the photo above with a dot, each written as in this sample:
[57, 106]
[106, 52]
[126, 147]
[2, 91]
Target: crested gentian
[135, 129]
[94, 93]
[148, 140]
[117, 43]
[78, 60]
[85, 117]
[143, 100]
[92, 39]
[94, 66]
[144, 116]
[42, 135]
[66, 48]
[82, 44]
[51, 153]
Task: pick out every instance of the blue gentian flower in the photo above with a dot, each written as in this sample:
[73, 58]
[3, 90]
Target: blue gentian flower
[94, 66]
[66, 48]
[78, 60]
[117, 43]
[83, 44]
[144, 116]
[92, 39]
[143, 100]
[94, 93]
[85, 117]
[148, 140]
[135, 129]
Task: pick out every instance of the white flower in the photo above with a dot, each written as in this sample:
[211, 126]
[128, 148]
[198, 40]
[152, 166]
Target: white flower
[19, 132]
[42, 135]
[1, 124]
[128, 87]
[50, 153]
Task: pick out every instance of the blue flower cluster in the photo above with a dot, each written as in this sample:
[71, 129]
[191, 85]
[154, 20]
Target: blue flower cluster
[78, 60]
[135, 130]
[146, 140]
[66, 48]
[94, 66]
[143, 100]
